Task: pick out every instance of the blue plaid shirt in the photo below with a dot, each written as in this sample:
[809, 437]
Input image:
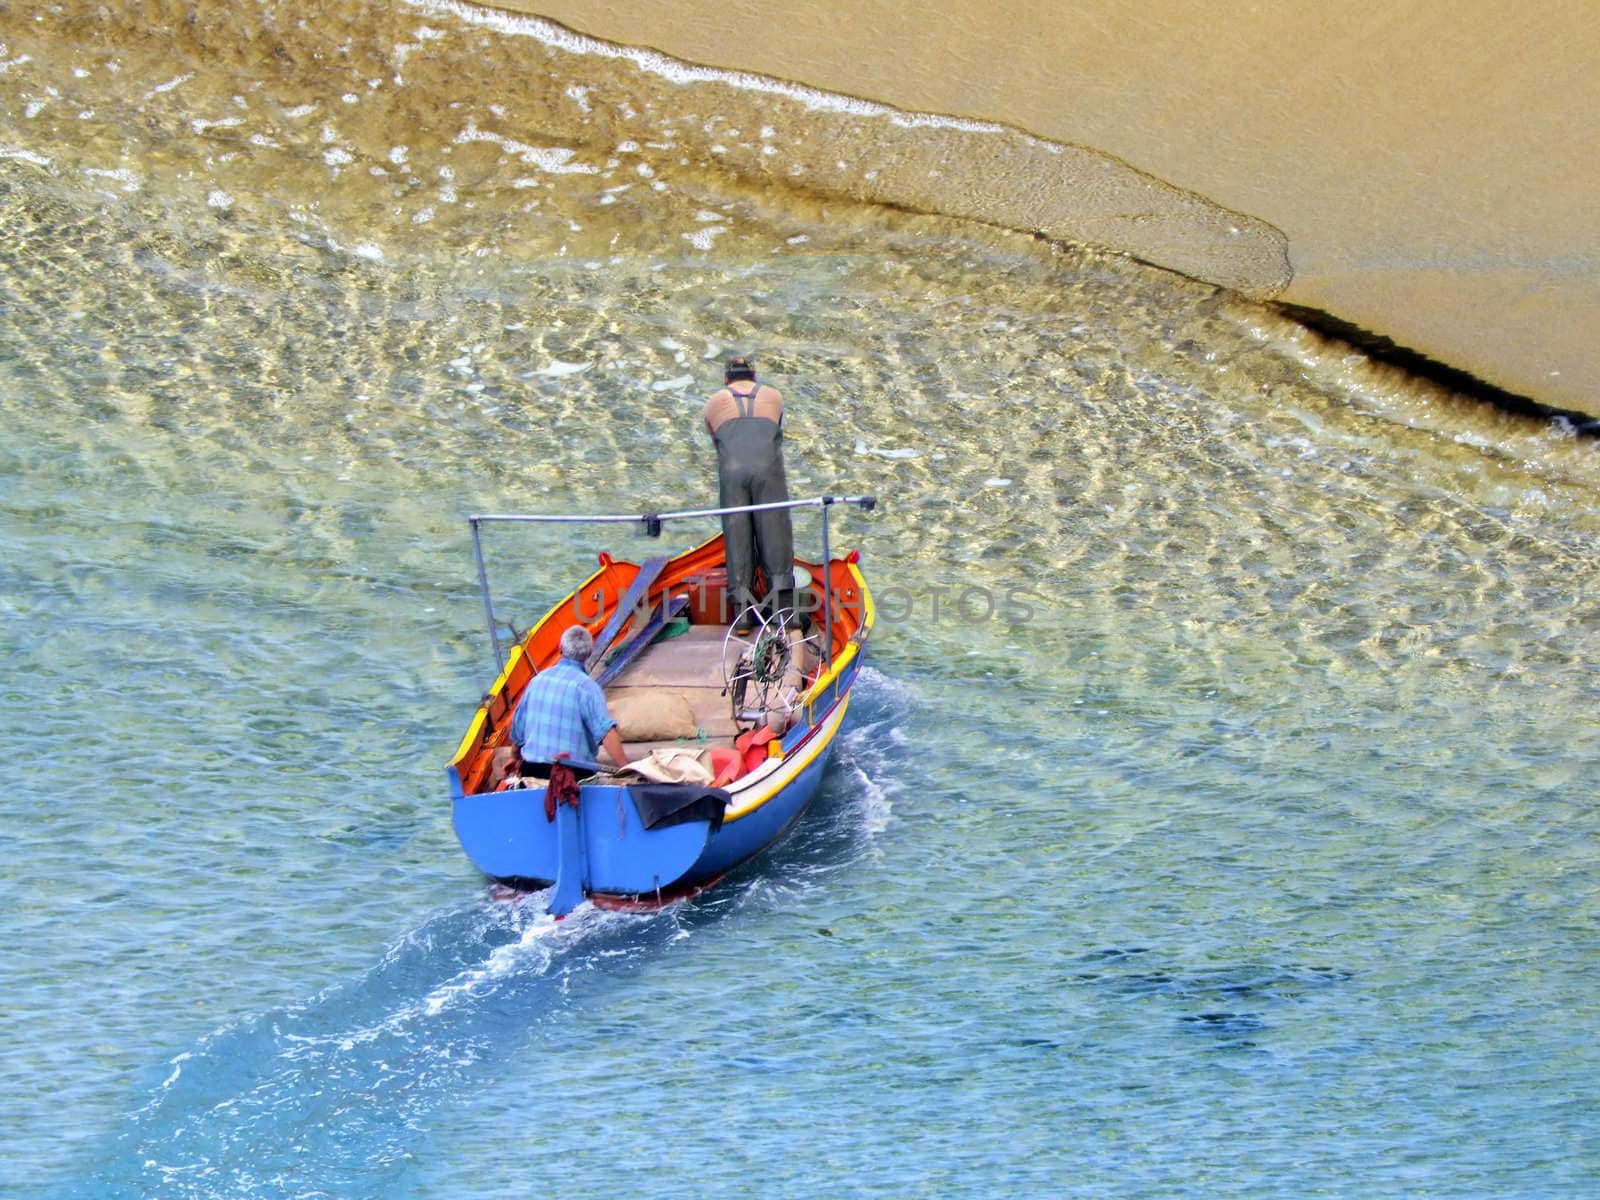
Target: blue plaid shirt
[563, 710]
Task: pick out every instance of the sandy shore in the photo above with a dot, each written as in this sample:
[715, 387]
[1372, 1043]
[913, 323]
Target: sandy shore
[1432, 166]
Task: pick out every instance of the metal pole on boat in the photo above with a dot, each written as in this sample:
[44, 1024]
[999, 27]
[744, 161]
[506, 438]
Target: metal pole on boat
[488, 608]
[652, 523]
[827, 592]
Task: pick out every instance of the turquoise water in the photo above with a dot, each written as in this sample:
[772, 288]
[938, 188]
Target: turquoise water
[1243, 846]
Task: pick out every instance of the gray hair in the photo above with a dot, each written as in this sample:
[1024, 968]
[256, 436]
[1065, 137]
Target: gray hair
[577, 643]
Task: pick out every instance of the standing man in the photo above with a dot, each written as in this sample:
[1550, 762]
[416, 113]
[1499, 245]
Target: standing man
[745, 420]
[563, 713]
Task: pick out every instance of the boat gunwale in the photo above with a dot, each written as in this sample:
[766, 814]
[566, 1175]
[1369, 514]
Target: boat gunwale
[677, 570]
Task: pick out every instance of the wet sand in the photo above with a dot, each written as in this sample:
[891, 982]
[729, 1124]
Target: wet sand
[1432, 168]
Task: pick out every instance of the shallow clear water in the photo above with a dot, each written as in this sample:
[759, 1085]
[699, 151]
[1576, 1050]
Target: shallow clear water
[1216, 817]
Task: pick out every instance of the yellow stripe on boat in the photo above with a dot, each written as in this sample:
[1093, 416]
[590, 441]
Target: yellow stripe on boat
[788, 769]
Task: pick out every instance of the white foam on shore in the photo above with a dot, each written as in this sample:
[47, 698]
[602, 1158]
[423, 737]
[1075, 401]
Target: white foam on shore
[162, 88]
[552, 160]
[27, 156]
[675, 71]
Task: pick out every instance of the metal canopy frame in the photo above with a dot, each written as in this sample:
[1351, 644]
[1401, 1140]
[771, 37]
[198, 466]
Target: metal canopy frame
[651, 524]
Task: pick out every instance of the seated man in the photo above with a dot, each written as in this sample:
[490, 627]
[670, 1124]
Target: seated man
[563, 713]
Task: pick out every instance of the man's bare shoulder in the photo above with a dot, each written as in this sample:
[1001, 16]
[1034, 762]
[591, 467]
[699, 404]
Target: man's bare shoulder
[718, 408]
[768, 402]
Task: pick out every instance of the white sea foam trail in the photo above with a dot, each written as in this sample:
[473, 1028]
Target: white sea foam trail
[872, 744]
[347, 1079]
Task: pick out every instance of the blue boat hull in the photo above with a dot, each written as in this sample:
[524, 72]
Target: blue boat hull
[602, 849]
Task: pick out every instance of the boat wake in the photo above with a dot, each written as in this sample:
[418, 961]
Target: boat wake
[333, 1095]
[872, 741]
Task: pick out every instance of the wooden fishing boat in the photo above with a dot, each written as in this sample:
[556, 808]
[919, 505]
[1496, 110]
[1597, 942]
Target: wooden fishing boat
[729, 730]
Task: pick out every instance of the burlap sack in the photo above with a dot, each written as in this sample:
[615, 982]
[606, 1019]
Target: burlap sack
[652, 714]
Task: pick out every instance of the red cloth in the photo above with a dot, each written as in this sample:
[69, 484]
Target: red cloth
[562, 789]
[728, 765]
[752, 745]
